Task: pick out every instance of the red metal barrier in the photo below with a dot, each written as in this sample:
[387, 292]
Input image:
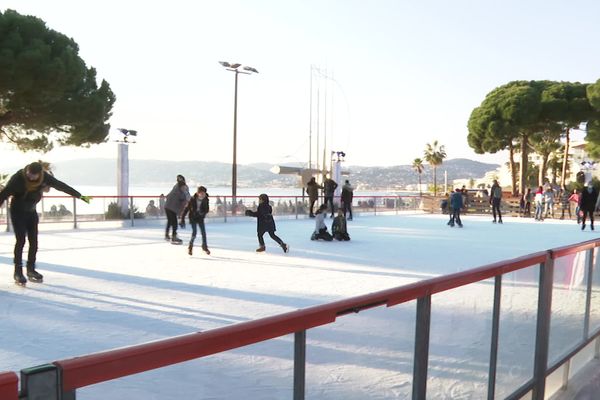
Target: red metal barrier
[9, 386]
[95, 368]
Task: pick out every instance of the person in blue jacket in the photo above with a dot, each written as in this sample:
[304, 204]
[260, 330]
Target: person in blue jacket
[265, 223]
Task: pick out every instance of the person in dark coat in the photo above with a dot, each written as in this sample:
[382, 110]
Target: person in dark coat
[329, 187]
[26, 187]
[174, 204]
[312, 189]
[339, 228]
[197, 208]
[347, 195]
[587, 204]
[456, 204]
[265, 223]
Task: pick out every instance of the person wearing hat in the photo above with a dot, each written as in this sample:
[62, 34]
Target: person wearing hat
[265, 223]
[174, 204]
[197, 208]
[26, 187]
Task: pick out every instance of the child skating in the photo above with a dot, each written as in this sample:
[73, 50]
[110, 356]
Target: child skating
[265, 223]
[197, 207]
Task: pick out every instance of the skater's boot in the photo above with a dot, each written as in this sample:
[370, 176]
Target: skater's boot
[190, 249]
[260, 249]
[33, 275]
[205, 249]
[167, 237]
[176, 240]
[18, 276]
[285, 247]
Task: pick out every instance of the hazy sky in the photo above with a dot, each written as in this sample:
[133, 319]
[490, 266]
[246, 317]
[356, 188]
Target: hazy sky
[405, 72]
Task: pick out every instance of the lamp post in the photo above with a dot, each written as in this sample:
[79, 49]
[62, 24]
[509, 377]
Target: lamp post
[238, 69]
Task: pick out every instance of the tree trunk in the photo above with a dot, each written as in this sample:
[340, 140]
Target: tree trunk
[513, 172]
[524, 164]
[543, 169]
[434, 182]
[563, 175]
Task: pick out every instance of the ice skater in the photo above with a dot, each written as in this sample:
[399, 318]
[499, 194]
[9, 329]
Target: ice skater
[312, 189]
[265, 223]
[26, 187]
[456, 204]
[495, 200]
[329, 190]
[174, 204]
[347, 195]
[320, 231]
[197, 208]
[339, 228]
[588, 204]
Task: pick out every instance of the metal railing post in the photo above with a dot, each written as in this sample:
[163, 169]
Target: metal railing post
[296, 205]
[43, 383]
[299, 364]
[74, 213]
[588, 294]
[421, 356]
[542, 334]
[374, 205]
[225, 208]
[495, 336]
[131, 211]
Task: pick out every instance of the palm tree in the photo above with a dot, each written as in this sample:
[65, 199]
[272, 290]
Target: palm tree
[418, 166]
[434, 155]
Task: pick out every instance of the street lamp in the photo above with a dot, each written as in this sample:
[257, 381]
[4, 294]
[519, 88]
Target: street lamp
[238, 69]
[123, 169]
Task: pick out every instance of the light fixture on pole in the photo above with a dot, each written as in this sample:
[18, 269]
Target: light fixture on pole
[238, 69]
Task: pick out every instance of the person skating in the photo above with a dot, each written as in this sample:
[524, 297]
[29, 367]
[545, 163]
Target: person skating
[587, 204]
[312, 189]
[329, 187]
[320, 231]
[174, 204]
[197, 208]
[495, 200]
[539, 204]
[26, 187]
[339, 228]
[265, 223]
[347, 195]
[574, 198]
[456, 203]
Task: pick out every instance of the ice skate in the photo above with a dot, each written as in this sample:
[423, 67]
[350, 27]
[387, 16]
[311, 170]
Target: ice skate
[190, 249]
[18, 276]
[167, 237]
[35, 276]
[206, 250]
[285, 248]
[260, 249]
[176, 240]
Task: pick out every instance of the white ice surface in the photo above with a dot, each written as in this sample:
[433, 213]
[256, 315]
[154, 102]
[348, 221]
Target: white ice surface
[109, 288]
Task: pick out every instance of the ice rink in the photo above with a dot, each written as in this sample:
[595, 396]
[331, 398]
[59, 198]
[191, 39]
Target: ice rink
[106, 288]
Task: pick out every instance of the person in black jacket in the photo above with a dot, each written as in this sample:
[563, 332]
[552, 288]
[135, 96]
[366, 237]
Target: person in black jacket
[26, 187]
[197, 208]
[265, 223]
[588, 203]
[329, 187]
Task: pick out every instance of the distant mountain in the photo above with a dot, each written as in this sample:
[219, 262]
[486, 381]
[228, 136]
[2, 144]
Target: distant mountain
[103, 172]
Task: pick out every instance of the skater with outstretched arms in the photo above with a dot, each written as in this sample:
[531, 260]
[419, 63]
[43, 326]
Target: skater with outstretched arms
[26, 187]
[265, 223]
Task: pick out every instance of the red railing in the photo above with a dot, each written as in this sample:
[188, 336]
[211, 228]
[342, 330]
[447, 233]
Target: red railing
[9, 386]
[100, 367]
[95, 368]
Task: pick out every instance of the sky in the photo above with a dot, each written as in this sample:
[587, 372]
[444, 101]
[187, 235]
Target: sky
[394, 75]
[109, 288]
